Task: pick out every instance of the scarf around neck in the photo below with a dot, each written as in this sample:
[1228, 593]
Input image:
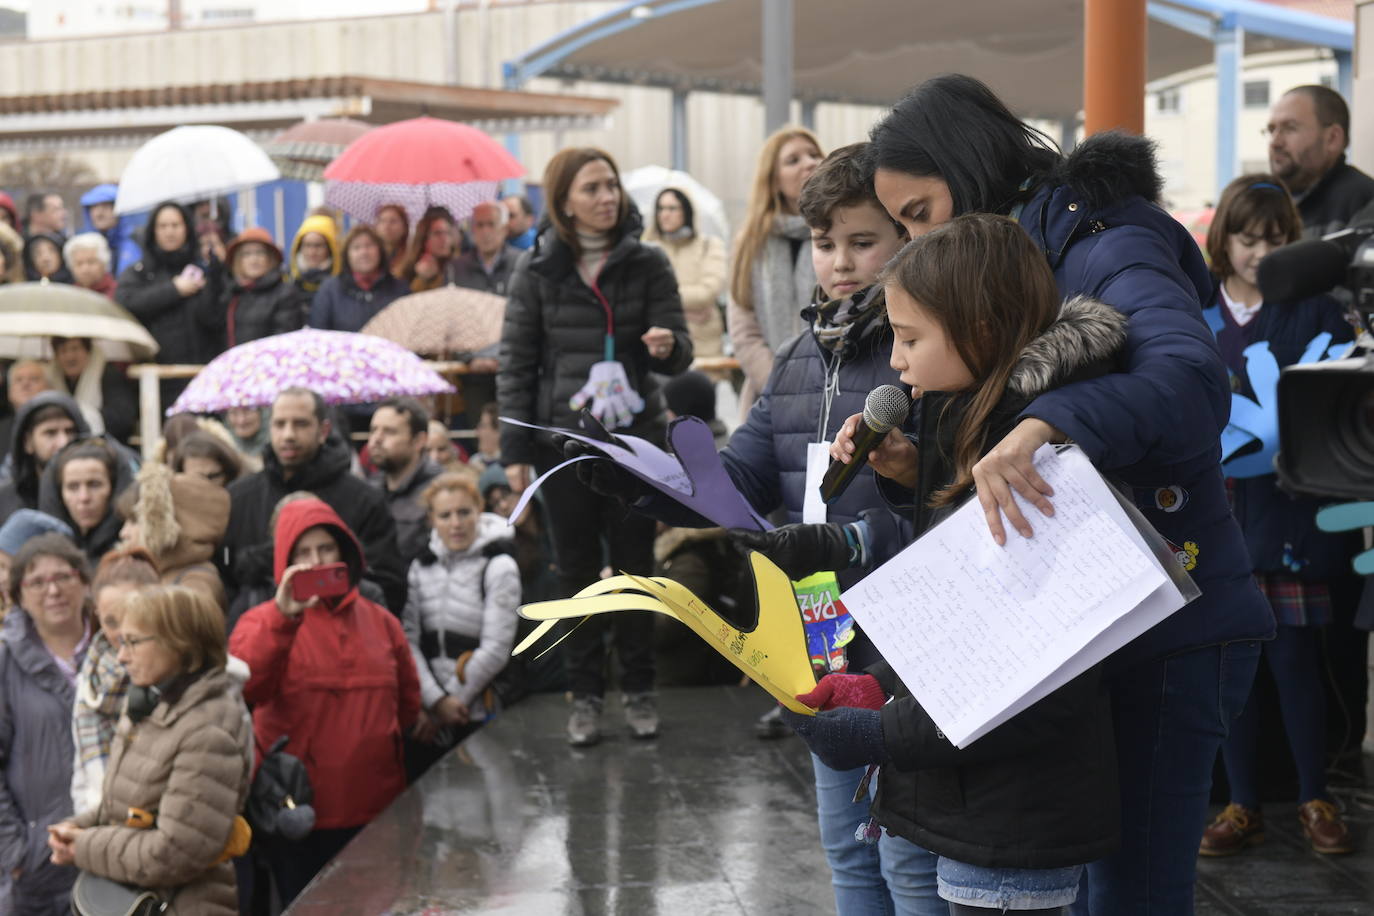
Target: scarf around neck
[838, 323]
[781, 286]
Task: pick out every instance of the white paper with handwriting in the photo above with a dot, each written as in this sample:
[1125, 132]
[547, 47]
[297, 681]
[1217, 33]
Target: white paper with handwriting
[979, 632]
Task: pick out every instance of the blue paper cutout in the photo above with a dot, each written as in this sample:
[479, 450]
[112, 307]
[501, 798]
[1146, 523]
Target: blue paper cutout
[1258, 420]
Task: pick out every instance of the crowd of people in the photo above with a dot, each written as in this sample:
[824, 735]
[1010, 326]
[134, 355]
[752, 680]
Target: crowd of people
[262, 619]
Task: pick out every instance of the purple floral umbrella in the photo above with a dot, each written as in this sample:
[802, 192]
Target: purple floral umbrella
[344, 368]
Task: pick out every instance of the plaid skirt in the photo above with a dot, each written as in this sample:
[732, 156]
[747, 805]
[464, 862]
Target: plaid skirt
[1296, 603]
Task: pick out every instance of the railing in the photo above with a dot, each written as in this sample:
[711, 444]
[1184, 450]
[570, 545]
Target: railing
[149, 375]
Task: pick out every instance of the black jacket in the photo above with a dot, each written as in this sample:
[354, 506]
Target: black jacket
[247, 553]
[1336, 197]
[21, 490]
[271, 305]
[1039, 791]
[555, 329]
[412, 520]
[186, 329]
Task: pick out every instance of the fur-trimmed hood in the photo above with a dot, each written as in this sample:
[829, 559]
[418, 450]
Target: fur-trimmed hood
[181, 517]
[1086, 334]
[1109, 167]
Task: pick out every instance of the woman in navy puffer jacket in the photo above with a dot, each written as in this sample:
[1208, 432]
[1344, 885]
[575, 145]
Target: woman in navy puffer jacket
[1154, 425]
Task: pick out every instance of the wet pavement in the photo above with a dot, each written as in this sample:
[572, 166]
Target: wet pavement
[707, 820]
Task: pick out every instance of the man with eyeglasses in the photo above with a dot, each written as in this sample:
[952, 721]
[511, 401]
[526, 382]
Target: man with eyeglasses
[1309, 130]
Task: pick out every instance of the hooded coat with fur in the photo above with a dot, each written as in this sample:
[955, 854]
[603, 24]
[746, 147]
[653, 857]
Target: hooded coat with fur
[1040, 791]
[338, 678]
[181, 520]
[1156, 424]
[188, 762]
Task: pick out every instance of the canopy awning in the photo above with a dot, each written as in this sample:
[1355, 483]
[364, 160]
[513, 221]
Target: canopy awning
[872, 51]
[275, 104]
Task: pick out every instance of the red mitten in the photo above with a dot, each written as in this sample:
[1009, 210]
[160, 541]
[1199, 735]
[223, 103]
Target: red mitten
[835, 690]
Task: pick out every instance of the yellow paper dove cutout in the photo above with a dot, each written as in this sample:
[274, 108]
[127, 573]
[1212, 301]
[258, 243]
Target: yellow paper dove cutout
[773, 653]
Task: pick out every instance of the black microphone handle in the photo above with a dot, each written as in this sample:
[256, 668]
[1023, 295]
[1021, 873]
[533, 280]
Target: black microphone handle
[839, 475]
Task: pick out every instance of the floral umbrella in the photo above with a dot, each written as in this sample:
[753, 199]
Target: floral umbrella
[342, 367]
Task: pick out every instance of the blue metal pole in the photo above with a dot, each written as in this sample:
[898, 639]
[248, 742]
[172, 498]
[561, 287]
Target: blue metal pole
[1345, 74]
[1229, 41]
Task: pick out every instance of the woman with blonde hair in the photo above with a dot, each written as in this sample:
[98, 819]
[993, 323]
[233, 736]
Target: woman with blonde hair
[771, 277]
[171, 793]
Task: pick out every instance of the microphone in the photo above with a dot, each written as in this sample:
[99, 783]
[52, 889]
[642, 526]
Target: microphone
[1309, 267]
[885, 407]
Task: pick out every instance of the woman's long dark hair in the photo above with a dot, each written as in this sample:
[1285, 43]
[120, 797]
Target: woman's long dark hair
[171, 260]
[955, 128]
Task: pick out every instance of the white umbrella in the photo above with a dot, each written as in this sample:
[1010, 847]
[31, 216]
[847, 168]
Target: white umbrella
[645, 182]
[187, 164]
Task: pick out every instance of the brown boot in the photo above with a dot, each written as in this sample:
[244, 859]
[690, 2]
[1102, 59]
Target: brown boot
[1235, 829]
[1324, 828]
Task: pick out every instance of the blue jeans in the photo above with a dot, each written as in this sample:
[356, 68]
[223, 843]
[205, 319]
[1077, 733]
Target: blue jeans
[891, 878]
[1171, 715]
[1008, 888]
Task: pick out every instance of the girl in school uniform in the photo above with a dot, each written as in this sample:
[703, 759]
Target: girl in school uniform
[1299, 569]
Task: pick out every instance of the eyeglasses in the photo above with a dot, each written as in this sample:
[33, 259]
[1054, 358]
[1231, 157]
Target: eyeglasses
[41, 584]
[133, 642]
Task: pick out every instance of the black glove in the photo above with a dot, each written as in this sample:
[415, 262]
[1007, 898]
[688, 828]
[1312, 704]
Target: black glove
[798, 550]
[844, 738]
[602, 476]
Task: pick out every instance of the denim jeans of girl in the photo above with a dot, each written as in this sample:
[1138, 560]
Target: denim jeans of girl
[893, 877]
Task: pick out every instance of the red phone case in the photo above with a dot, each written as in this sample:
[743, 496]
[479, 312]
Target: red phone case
[328, 581]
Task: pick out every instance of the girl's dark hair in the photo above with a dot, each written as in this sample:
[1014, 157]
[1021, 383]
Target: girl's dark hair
[54, 545]
[689, 219]
[955, 128]
[201, 444]
[987, 284]
[559, 175]
[1251, 201]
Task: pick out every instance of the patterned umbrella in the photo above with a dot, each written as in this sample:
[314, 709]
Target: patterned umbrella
[442, 322]
[303, 150]
[417, 164]
[343, 368]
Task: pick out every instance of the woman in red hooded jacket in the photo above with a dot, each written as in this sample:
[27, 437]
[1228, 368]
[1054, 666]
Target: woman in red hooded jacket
[336, 676]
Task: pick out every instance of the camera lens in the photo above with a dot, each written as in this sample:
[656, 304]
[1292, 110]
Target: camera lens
[1354, 432]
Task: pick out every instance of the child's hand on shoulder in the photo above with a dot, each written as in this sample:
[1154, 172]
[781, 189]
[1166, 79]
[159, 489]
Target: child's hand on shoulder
[894, 458]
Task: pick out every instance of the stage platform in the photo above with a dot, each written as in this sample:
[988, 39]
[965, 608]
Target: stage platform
[705, 821]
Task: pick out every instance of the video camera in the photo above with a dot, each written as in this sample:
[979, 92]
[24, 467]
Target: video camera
[1326, 409]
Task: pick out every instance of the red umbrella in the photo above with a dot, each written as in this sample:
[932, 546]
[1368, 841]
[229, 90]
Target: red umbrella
[418, 163]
